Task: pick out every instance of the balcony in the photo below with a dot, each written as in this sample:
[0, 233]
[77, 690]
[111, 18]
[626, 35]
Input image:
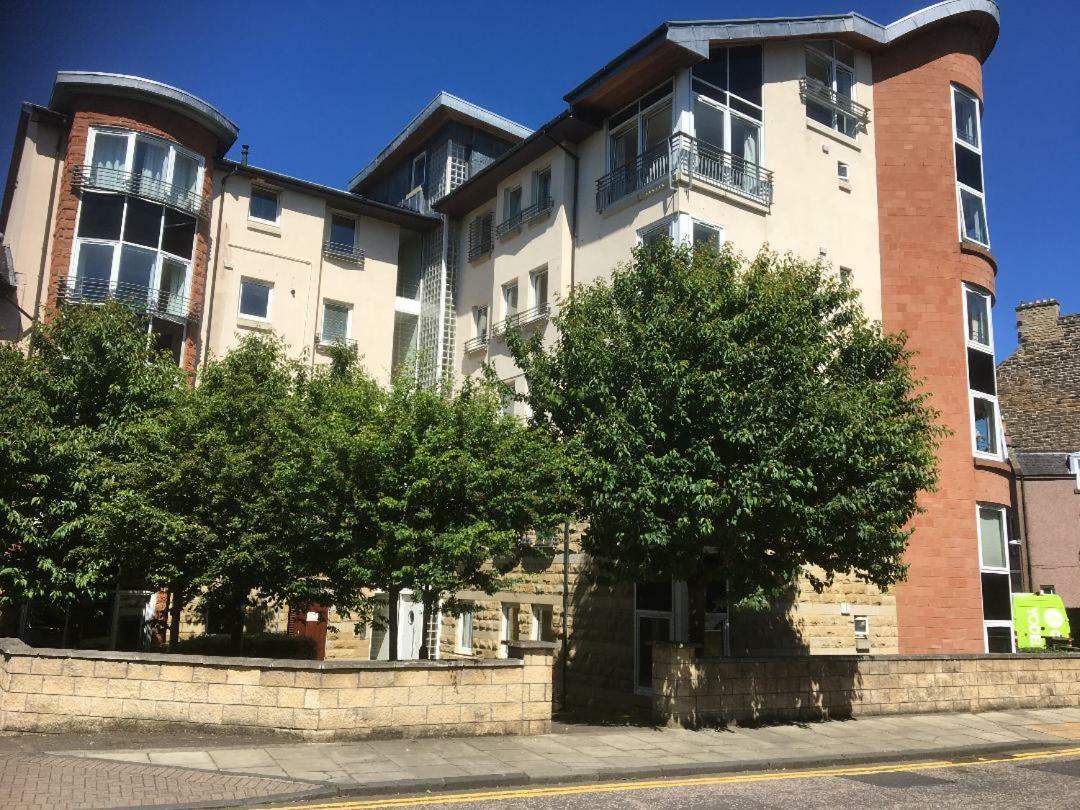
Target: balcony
[817, 92]
[681, 158]
[516, 221]
[344, 253]
[322, 342]
[99, 178]
[149, 301]
[476, 344]
[527, 316]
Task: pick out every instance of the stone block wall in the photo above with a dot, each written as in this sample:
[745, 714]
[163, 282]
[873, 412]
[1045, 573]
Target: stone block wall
[52, 690]
[692, 691]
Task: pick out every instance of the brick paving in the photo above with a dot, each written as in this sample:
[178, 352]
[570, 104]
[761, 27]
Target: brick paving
[37, 780]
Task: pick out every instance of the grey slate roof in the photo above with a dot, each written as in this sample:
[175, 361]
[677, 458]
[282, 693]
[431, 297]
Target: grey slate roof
[1044, 464]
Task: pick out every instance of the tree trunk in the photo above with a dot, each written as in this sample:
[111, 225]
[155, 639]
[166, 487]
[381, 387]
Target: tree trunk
[236, 624]
[695, 587]
[393, 597]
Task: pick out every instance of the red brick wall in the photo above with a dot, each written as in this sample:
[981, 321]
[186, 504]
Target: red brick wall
[939, 608]
[140, 116]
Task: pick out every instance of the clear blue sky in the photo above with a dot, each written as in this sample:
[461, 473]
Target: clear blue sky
[318, 88]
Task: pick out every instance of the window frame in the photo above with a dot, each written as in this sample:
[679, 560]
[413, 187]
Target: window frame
[954, 91]
[464, 618]
[668, 223]
[669, 615]
[133, 136]
[536, 175]
[327, 304]
[422, 159]
[534, 277]
[865, 620]
[717, 229]
[356, 228]
[508, 193]
[635, 120]
[1005, 571]
[267, 190]
[517, 304]
[269, 299]
[835, 64]
[987, 349]
[476, 310]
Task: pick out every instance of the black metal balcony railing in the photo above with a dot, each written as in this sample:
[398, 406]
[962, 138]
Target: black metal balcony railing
[523, 318]
[326, 341]
[99, 178]
[698, 160]
[515, 221]
[476, 344]
[345, 253]
[151, 301]
[820, 93]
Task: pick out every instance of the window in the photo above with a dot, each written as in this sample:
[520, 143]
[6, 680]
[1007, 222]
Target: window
[510, 300]
[862, 627]
[481, 232]
[727, 105]
[508, 628]
[982, 378]
[653, 614]
[335, 323]
[967, 142]
[145, 166]
[343, 232]
[464, 640]
[255, 299]
[480, 321]
[542, 628]
[542, 188]
[511, 203]
[842, 171]
[538, 281]
[832, 65]
[845, 275]
[996, 585]
[419, 171]
[706, 234]
[263, 205]
[664, 229]
[640, 127]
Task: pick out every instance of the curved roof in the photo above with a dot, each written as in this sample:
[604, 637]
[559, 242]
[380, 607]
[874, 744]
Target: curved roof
[70, 83]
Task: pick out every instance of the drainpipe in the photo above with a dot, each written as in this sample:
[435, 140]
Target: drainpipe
[217, 258]
[1025, 541]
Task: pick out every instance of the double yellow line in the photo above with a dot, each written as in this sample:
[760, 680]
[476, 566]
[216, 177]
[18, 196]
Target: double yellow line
[660, 784]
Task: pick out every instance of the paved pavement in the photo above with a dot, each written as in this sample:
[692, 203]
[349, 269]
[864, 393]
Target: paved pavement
[174, 772]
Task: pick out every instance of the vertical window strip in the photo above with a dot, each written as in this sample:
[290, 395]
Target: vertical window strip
[970, 180]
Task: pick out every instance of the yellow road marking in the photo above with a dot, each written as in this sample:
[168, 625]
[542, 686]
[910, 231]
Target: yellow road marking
[697, 781]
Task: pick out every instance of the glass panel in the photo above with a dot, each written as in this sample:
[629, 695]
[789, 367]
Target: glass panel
[142, 225]
[263, 205]
[986, 433]
[136, 273]
[992, 537]
[93, 272]
[656, 95]
[168, 337]
[512, 203]
[708, 124]
[714, 69]
[817, 67]
[657, 124]
[981, 371]
[706, 235]
[100, 216]
[844, 54]
[543, 186]
[419, 170]
[999, 639]
[969, 168]
[967, 112]
[996, 597]
[343, 231]
[466, 624]
[510, 300]
[978, 312]
[745, 77]
[335, 323]
[254, 299]
[185, 176]
[178, 234]
[149, 169]
[649, 630]
[974, 217]
[480, 319]
[109, 160]
[173, 284]
[744, 139]
[540, 288]
[624, 146]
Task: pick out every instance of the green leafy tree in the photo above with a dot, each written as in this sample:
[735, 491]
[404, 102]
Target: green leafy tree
[734, 421]
[437, 487]
[69, 412]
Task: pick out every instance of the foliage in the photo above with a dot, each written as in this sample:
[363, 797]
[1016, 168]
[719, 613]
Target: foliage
[258, 645]
[734, 420]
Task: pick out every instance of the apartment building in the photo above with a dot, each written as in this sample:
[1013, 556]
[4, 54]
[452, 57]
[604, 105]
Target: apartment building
[833, 137]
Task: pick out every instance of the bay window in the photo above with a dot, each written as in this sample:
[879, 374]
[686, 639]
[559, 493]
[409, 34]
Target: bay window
[967, 147]
[145, 166]
[982, 379]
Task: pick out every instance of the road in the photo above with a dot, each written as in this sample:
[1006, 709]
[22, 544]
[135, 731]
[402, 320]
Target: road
[1038, 779]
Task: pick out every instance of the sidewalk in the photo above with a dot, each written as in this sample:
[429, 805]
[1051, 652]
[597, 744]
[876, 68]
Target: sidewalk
[583, 753]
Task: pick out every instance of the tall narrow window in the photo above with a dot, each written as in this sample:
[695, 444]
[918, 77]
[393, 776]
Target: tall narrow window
[830, 69]
[510, 300]
[335, 324]
[542, 188]
[480, 322]
[970, 194]
[996, 586]
[511, 203]
[464, 640]
[982, 379]
[727, 116]
[419, 170]
[539, 283]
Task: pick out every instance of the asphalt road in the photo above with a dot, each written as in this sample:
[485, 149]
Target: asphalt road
[1034, 780]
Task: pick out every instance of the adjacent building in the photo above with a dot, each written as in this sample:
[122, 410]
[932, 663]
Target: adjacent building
[834, 137]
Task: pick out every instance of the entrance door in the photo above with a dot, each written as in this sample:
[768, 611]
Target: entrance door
[410, 627]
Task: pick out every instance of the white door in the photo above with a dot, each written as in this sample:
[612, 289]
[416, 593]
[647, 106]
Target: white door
[410, 627]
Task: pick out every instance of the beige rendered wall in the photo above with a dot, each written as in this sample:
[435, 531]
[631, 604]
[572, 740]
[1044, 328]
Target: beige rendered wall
[289, 256]
[37, 183]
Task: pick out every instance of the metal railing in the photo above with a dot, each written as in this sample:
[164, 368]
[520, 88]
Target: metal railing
[481, 240]
[416, 200]
[698, 160]
[99, 178]
[515, 221]
[522, 318]
[476, 344]
[323, 342]
[151, 301]
[817, 91]
[346, 253]
[711, 165]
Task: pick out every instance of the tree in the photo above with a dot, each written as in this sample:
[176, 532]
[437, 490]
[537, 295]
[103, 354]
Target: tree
[436, 487]
[68, 413]
[734, 421]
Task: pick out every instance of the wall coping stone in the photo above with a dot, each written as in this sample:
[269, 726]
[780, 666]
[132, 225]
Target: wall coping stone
[10, 647]
[530, 644]
[872, 657]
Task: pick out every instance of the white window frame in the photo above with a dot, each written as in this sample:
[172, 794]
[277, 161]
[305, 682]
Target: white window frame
[993, 569]
[465, 617]
[843, 170]
[1073, 463]
[269, 299]
[985, 348]
[536, 175]
[538, 612]
[413, 185]
[729, 111]
[834, 66]
[505, 306]
[718, 229]
[865, 621]
[329, 302]
[476, 320]
[636, 120]
[172, 150]
[505, 627]
[277, 204]
[955, 90]
[534, 278]
[668, 223]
